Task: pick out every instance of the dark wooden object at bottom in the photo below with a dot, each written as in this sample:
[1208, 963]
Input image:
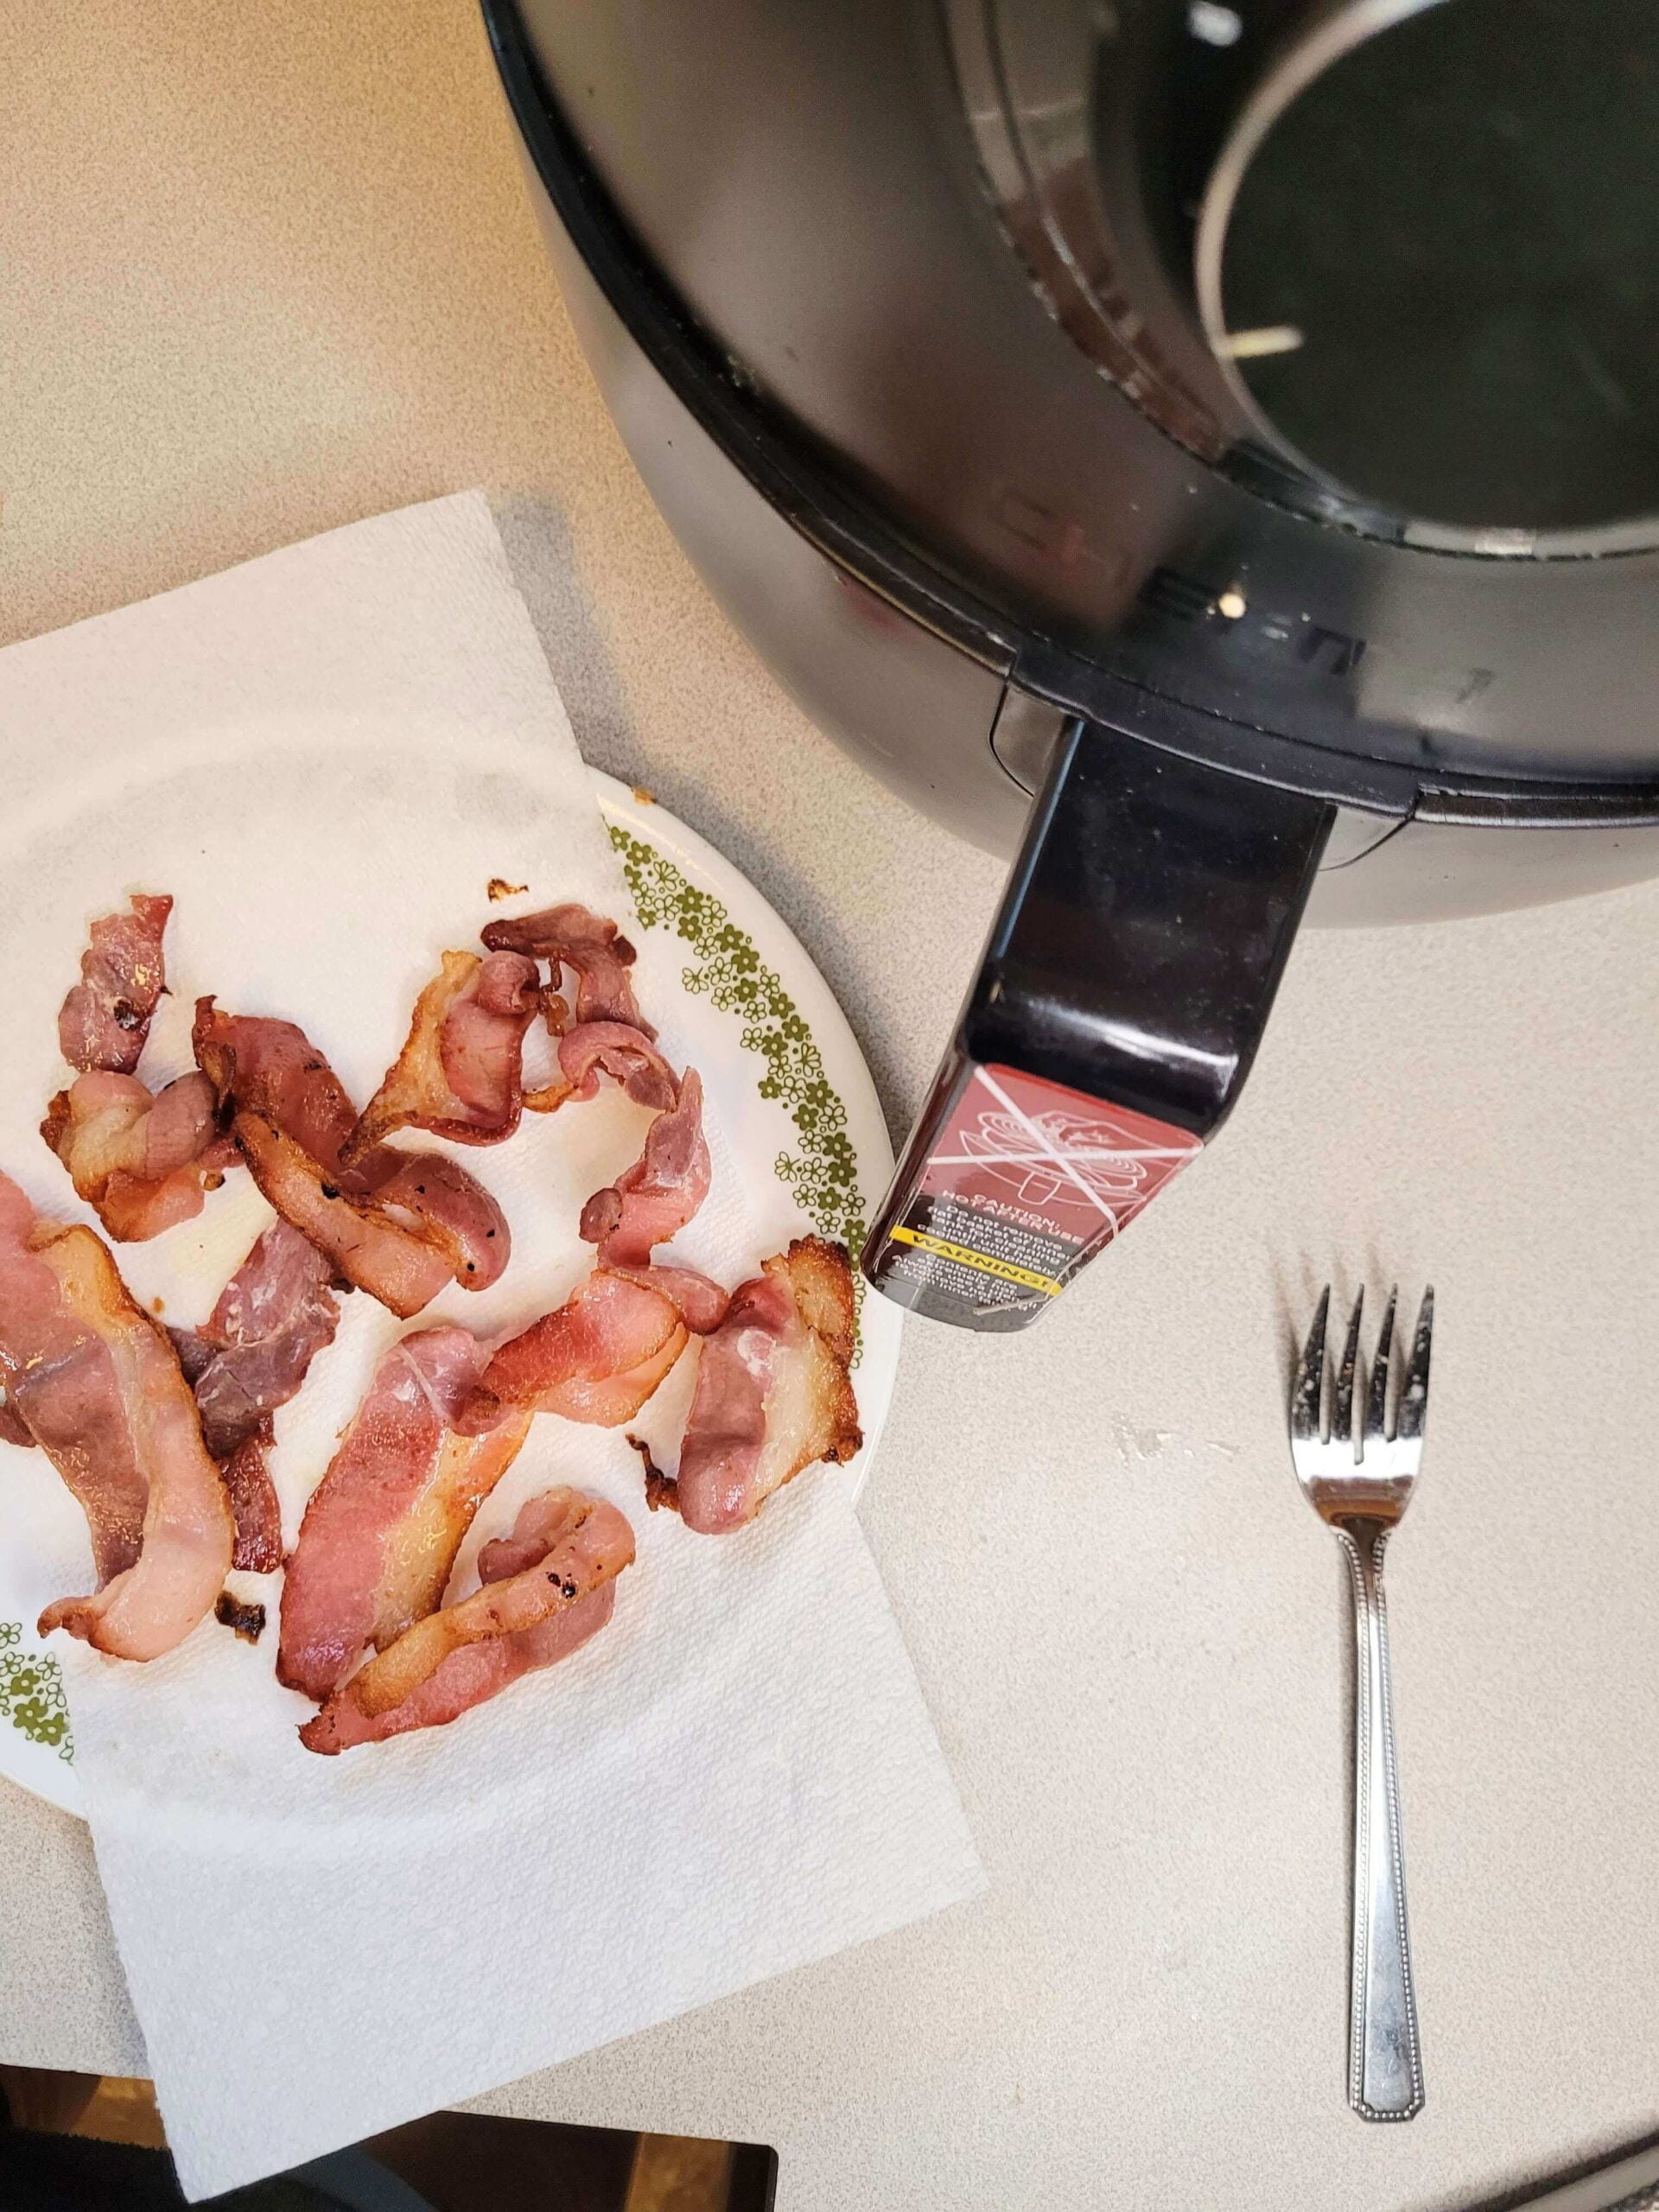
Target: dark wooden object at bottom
[94, 2143]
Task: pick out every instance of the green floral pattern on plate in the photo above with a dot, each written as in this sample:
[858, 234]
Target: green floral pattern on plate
[824, 1175]
[31, 1694]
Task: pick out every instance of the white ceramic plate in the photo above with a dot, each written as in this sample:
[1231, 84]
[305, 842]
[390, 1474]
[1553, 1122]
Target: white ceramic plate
[794, 1102]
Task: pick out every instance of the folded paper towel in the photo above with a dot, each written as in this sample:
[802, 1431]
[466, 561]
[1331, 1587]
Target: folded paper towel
[324, 756]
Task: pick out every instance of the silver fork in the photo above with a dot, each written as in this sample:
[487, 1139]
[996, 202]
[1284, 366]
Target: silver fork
[1360, 1486]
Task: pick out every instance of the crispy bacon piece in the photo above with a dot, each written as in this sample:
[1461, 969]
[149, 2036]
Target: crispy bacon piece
[460, 1073]
[652, 1201]
[382, 1530]
[469, 1677]
[64, 1384]
[258, 1547]
[404, 1270]
[596, 1359]
[443, 1207]
[773, 1392]
[611, 1048]
[540, 1525]
[274, 1070]
[573, 1548]
[14, 1429]
[399, 1224]
[570, 937]
[247, 1621]
[98, 1383]
[104, 1021]
[251, 1354]
[660, 1193]
[142, 1162]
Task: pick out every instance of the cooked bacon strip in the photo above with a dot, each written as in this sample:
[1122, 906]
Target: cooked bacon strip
[596, 1359]
[142, 1162]
[399, 1224]
[660, 1193]
[542, 1522]
[698, 1300]
[405, 1271]
[254, 1508]
[251, 1354]
[63, 1383]
[470, 1676]
[652, 1201]
[96, 1381]
[773, 1392]
[624, 1054]
[382, 1530]
[273, 1069]
[473, 1671]
[572, 936]
[611, 1048]
[447, 1211]
[460, 1073]
[104, 1021]
[14, 1429]
[587, 1544]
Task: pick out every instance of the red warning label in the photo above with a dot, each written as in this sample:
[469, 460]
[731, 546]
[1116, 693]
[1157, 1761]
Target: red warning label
[1026, 1181]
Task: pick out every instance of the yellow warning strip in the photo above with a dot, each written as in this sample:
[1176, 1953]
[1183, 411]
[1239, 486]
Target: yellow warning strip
[966, 1257]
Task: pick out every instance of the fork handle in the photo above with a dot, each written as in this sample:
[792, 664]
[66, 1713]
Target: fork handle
[1385, 2078]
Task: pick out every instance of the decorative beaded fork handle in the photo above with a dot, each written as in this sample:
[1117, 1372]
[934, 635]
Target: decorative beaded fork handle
[1360, 1485]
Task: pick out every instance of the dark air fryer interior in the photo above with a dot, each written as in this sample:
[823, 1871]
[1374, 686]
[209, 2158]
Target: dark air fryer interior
[1460, 218]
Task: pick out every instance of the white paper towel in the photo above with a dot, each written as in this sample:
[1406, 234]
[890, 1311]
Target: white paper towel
[324, 755]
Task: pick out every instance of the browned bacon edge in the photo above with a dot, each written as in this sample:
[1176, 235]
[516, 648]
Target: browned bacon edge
[254, 1508]
[773, 1392]
[596, 1359]
[104, 1021]
[100, 1388]
[543, 1593]
[247, 1621]
[399, 1224]
[461, 1072]
[382, 1528]
[572, 936]
[142, 1162]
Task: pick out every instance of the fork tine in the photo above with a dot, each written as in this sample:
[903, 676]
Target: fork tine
[1308, 1394]
[1413, 1398]
[1376, 1404]
[1342, 1428]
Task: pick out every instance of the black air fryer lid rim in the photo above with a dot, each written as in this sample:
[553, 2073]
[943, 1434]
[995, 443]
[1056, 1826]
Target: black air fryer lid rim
[812, 490]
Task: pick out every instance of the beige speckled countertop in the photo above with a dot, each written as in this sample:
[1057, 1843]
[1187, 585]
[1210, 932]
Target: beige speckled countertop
[265, 269]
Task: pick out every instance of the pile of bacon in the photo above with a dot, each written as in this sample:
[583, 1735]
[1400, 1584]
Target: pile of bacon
[161, 1434]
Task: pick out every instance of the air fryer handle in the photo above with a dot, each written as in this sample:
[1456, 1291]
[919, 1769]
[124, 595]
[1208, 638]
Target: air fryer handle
[1116, 1010]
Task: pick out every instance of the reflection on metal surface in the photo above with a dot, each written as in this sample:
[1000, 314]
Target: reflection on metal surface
[1024, 736]
[1215, 25]
[1028, 74]
[1258, 345]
